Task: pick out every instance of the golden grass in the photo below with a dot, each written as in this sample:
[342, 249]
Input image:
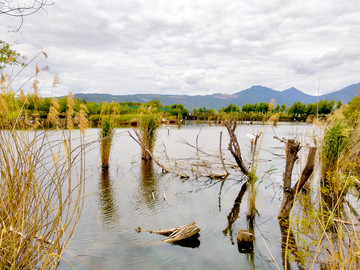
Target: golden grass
[42, 185]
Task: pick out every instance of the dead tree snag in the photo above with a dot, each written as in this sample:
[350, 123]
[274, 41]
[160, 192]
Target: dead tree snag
[291, 151]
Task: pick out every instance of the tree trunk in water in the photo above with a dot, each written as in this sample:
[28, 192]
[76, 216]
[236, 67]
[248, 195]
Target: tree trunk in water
[292, 149]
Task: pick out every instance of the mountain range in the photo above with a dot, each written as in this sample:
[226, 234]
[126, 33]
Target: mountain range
[254, 94]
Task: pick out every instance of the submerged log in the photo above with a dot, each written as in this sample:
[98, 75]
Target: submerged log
[175, 234]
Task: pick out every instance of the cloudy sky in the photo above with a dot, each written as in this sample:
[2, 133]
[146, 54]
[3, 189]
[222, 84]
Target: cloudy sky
[192, 46]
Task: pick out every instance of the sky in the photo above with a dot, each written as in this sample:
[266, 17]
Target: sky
[191, 47]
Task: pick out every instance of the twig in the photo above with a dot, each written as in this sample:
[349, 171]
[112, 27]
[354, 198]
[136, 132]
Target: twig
[221, 155]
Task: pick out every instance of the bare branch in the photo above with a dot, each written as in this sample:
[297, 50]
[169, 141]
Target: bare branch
[14, 9]
[235, 148]
[221, 155]
[139, 141]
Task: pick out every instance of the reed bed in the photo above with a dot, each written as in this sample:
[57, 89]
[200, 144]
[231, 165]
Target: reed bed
[42, 184]
[106, 138]
[149, 123]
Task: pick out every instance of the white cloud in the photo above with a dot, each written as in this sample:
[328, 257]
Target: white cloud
[193, 47]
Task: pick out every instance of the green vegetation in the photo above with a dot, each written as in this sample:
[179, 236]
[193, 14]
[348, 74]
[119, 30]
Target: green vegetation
[325, 225]
[9, 56]
[149, 123]
[106, 137]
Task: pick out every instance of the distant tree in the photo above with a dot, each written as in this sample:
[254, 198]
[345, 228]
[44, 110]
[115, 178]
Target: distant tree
[179, 109]
[338, 104]
[353, 107]
[44, 106]
[297, 110]
[63, 104]
[154, 103]
[310, 109]
[326, 107]
[263, 107]
[232, 108]
[277, 109]
[93, 108]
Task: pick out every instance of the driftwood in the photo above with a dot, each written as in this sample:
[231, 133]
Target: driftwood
[291, 150]
[176, 234]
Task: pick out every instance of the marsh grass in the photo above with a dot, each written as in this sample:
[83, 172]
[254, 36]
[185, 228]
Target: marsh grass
[149, 123]
[106, 138]
[326, 224]
[42, 185]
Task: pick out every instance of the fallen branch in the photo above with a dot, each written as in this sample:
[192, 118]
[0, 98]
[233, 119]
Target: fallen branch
[140, 142]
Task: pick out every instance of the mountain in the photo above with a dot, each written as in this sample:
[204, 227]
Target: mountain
[254, 94]
[345, 95]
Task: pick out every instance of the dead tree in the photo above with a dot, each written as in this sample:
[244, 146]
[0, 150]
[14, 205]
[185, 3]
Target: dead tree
[291, 151]
[234, 147]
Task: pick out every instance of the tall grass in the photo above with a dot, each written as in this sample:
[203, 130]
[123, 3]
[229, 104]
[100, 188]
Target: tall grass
[149, 123]
[106, 138]
[334, 149]
[327, 226]
[42, 185]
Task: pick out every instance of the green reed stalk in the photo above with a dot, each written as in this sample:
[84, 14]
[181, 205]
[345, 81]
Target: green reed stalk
[106, 138]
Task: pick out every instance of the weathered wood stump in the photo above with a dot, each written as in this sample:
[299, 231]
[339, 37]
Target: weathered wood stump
[176, 234]
[245, 240]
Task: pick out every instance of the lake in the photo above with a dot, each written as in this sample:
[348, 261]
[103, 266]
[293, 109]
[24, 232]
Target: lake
[136, 193]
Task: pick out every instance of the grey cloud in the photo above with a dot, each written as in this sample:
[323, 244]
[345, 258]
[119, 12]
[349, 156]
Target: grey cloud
[194, 46]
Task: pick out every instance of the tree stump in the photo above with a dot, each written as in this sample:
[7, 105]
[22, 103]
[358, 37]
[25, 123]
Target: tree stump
[245, 240]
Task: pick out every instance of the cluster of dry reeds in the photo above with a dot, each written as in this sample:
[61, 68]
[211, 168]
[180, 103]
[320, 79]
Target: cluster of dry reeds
[41, 193]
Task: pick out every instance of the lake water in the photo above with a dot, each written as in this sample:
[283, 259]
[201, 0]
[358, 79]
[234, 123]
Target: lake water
[135, 193]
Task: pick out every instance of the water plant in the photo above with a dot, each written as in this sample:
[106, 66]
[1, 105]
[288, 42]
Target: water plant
[149, 123]
[106, 138]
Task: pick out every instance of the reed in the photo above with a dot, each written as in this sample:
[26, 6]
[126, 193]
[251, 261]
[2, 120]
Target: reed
[41, 199]
[149, 123]
[106, 138]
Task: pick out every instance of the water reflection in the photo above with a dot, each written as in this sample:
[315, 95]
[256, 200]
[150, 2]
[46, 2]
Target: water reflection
[288, 244]
[192, 242]
[107, 202]
[250, 250]
[234, 213]
[149, 185]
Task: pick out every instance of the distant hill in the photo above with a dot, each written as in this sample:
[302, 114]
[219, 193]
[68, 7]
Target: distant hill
[254, 94]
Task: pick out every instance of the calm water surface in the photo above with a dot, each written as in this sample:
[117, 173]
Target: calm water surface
[135, 193]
